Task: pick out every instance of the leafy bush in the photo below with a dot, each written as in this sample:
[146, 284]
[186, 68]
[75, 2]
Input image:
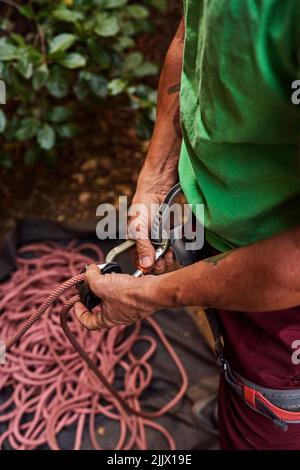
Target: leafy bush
[57, 57]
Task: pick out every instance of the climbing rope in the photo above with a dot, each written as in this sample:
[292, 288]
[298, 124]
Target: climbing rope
[49, 384]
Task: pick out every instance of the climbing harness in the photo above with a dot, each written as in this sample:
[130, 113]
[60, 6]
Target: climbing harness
[281, 406]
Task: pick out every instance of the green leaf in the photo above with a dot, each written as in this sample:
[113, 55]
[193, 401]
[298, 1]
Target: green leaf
[61, 42]
[2, 121]
[7, 50]
[124, 42]
[133, 60]
[99, 85]
[152, 114]
[27, 129]
[57, 83]
[27, 11]
[59, 114]
[46, 137]
[161, 5]
[117, 86]
[68, 130]
[18, 39]
[136, 11]
[134, 63]
[106, 25]
[65, 14]
[99, 54]
[81, 90]
[114, 3]
[73, 61]
[25, 66]
[146, 69]
[40, 77]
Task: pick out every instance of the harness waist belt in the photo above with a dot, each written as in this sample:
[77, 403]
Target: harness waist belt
[282, 406]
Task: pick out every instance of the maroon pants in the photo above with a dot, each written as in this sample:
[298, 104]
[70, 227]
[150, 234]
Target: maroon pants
[259, 347]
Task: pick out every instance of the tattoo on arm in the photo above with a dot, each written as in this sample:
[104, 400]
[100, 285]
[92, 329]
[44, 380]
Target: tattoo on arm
[214, 260]
[174, 89]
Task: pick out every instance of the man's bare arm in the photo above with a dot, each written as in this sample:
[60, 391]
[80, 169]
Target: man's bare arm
[263, 276]
[160, 170]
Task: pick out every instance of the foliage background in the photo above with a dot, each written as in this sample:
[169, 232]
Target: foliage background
[72, 138]
[58, 57]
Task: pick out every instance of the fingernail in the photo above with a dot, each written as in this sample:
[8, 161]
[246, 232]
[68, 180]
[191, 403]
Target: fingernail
[145, 262]
[90, 266]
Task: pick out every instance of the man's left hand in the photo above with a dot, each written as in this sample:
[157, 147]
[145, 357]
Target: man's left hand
[125, 299]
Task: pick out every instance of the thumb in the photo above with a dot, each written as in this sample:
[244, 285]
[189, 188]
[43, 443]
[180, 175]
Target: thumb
[146, 253]
[87, 319]
[95, 280]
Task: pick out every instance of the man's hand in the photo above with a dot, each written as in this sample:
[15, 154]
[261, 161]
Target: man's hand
[125, 299]
[144, 256]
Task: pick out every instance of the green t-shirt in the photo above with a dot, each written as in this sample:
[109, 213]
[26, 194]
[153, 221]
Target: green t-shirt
[240, 127]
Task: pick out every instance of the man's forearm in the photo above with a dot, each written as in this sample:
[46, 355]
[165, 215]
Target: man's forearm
[264, 276]
[161, 165]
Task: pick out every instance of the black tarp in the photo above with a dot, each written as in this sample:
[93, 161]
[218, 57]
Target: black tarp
[188, 430]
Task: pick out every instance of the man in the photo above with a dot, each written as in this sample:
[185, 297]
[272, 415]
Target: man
[233, 62]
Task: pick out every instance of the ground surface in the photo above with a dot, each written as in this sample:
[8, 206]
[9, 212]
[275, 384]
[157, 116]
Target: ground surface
[97, 167]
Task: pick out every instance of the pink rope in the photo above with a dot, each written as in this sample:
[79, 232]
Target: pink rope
[51, 387]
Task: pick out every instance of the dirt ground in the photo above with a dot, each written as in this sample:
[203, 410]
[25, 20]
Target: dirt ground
[98, 166]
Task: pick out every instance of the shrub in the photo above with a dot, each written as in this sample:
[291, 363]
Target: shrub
[57, 57]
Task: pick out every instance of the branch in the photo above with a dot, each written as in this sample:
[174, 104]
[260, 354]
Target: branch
[11, 3]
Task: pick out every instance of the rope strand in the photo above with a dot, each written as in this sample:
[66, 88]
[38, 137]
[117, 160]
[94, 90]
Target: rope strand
[51, 387]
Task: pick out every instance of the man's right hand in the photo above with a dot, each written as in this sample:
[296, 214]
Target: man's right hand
[144, 256]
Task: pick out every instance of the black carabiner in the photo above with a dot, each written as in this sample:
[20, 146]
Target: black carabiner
[87, 297]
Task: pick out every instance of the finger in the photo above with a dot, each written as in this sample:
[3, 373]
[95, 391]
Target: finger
[139, 230]
[103, 322]
[159, 266]
[134, 257]
[146, 253]
[86, 318]
[169, 259]
[95, 279]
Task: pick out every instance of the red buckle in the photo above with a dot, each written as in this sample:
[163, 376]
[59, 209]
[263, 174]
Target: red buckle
[249, 395]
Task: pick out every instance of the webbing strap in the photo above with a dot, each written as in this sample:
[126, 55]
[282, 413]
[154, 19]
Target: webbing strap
[213, 320]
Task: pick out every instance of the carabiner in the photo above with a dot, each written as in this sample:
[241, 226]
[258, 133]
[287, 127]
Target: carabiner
[162, 243]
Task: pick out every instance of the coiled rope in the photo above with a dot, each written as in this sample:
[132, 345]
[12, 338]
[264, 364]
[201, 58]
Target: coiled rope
[48, 386]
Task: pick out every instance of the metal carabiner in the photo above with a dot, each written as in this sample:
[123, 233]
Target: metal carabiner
[163, 246]
[87, 297]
